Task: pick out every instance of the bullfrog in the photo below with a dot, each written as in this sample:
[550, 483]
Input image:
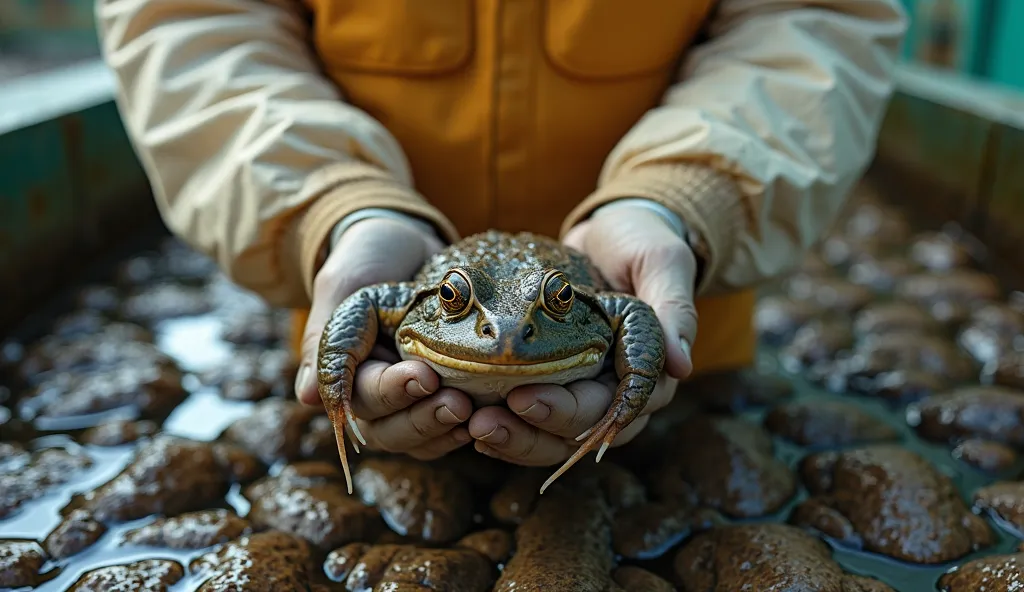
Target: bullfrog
[492, 312]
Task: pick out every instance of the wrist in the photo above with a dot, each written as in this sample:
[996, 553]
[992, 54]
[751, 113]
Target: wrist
[370, 213]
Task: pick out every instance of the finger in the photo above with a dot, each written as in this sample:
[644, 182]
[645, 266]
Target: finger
[382, 388]
[305, 381]
[516, 440]
[425, 420]
[563, 411]
[442, 445]
[664, 278]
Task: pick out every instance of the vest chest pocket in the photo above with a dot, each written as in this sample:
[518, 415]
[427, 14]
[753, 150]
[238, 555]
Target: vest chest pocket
[605, 39]
[394, 36]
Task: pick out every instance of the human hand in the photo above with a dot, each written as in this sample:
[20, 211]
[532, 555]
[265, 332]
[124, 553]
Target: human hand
[399, 407]
[638, 253]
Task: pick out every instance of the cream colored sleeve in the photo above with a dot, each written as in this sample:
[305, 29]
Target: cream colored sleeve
[252, 153]
[773, 120]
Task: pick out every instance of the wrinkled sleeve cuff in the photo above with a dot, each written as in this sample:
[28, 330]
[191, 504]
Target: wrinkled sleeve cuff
[709, 202]
[349, 187]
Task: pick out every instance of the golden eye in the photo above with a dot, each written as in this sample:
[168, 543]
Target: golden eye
[455, 293]
[558, 294]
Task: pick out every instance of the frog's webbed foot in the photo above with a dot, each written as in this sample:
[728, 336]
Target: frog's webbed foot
[346, 342]
[639, 359]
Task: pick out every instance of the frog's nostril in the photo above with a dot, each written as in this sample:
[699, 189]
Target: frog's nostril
[487, 330]
[528, 331]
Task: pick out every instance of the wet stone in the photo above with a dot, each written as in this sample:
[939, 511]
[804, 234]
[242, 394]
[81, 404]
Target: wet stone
[894, 316]
[310, 500]
[260, 327]
[262, 562]
[635, 579]
[816, 342]
[99, 298]
[253, 375]
[1004, 499]
[879, 221]
[997, 573]
[764, 557]
[20, 562]
[991, 457]
[493, 543]
[118, 432]
[77, 532]
[192, 476]
[903, 386]
[649, 530]
[1007, 370]
[909, 350]
[838, 250]
[82, 322]
[274, 430]
[416, 498]
[987, 412]
[777, 318]
[360, 566]
[25, 477]
[992, 331]
[192, 530]
[729, 464]
[159, 302]
[939, 251]
[111, 347]
[151, 575]
[737, 391]
[959, 286]
[827, 424]
[880, 275]
[834, 294]
[886, 499]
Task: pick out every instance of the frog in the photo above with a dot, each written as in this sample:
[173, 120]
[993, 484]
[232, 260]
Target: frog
[491, 312]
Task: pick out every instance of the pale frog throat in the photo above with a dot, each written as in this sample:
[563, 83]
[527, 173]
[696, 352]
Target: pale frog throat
[489, 383]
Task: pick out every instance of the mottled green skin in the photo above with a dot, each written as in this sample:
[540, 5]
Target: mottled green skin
[506, 326]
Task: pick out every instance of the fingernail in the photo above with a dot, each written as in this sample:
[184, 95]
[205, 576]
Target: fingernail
[536, 412]
[499, 435]
[445, 416]
[304, 379]
[415, 389]
[685, 345]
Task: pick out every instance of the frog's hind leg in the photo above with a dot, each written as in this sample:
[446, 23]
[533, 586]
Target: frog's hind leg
[639, 359]
[346, 342]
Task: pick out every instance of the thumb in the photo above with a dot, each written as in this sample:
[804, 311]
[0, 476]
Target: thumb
[663, 276]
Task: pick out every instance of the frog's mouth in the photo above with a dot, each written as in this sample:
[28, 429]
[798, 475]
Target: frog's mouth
[587, 357]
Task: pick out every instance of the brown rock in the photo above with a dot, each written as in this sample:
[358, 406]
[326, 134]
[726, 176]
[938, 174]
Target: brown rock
[158, 302]
[264, 562]
[730, 465]
[880, 274]
[493, 543]
[997, 573]
[25, 477]
[962, 286]
[310, 500]
[991, 457]
[360, 566]
[20, 562]
[415, 498]
[649, 530]
[764, 557]
[987, 412]
[151, 575]
[274, 430]
[635, 579]
[892, 317]
[118, 432]
[839, 250]
[254, 374]
[190, 474]
[827, 423]
[910, 350]
[938, 251]
[737, 391]
[817, 341]
[886, 499]
[192, 530]
[834, 294]
[877, 221]
[77, 532]
[1004, 499]
[777, 318]
[1007, 370]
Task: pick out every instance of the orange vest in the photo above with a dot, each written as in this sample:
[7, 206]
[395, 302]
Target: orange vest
[507, 109]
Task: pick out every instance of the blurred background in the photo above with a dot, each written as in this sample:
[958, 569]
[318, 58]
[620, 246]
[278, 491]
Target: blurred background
[977, 38]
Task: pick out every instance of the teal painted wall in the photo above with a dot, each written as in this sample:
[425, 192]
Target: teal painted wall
[1007, 65]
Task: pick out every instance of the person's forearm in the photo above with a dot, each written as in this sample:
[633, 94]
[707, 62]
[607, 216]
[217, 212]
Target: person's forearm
[252, 154]
[759, 143]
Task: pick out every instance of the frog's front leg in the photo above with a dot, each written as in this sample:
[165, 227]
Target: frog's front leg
[346, 342]
[639, 360]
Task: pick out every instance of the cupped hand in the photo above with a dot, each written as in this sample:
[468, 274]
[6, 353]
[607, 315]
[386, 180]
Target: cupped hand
[638, 253]
[398, 404]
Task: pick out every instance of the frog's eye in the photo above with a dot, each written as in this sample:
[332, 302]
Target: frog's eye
[558, 294]
[455, 293]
